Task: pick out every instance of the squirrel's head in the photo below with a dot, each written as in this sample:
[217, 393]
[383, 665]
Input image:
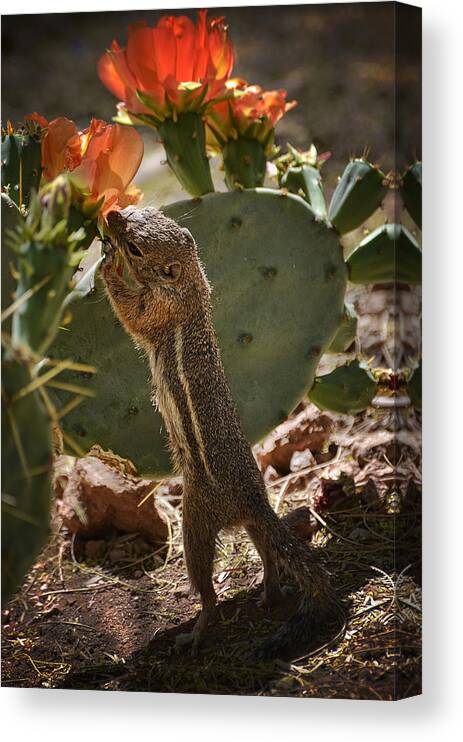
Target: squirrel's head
[158, 252]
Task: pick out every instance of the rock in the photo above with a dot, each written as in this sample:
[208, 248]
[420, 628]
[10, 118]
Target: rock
[270, 475]
[100, 494]
[112, 459]
[309, 430]
[301, 460]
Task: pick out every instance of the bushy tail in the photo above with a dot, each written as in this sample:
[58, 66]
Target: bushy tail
[319, 604]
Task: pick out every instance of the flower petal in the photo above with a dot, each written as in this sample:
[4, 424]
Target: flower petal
[60, 148]
[38, 119]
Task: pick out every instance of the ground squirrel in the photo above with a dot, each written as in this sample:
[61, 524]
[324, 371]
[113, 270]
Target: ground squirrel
[167, 313]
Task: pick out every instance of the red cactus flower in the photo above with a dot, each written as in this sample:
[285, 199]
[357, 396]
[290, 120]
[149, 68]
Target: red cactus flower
[36, 118]
[103, 159]
[252, 113]
[174, 67]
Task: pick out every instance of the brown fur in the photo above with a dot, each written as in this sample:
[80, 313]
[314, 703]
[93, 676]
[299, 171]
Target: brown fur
[167, 313]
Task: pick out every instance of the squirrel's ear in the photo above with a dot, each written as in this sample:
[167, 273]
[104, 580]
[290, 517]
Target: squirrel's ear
[188, 236]
[171, 272]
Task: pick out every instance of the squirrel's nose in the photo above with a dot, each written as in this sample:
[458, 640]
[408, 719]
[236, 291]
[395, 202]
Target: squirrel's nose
[115, 221]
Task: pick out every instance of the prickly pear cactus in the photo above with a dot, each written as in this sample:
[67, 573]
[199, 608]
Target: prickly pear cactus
[184, 143]
[244, 163]
[411, 192]
[388, 254]
[47, 247]
[26, 472]
[299, 172]
[21, 162]
[359, 193]
[278, 281]
[348, 389]
[346, 333]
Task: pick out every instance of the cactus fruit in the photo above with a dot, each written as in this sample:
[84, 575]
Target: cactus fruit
[244, 162]
[346, 333]
[387, 255]
[26, 473]
[48, 247]
[348, 389]
[306, 180]
[184, 143]
[299, 172]
[411, 192]
[275, 311]
[359, 193]
[21, 162]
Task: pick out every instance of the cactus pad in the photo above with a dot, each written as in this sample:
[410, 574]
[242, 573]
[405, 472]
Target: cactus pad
[346, 333]
[358, 194]
[411, 192]
[388, 254]
[348, 389]
[307, 179]
[278, 281]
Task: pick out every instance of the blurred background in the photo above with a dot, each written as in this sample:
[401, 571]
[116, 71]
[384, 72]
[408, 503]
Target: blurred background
[339, 62]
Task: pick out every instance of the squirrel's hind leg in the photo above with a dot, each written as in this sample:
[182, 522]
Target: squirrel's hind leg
[199, 550]
[273, 593]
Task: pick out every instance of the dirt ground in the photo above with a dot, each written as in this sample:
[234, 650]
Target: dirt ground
[104, 614]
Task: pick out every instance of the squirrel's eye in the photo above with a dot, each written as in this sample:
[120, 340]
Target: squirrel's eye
[133, 250]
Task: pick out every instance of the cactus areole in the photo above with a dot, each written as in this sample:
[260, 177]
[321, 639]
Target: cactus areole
[278, 283]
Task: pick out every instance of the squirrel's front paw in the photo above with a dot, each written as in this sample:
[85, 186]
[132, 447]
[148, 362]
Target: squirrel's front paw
[110, 261]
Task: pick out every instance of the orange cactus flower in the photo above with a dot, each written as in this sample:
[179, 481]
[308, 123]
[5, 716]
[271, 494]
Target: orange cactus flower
[36, 118]
[102, 161]
[176, 66]
[252, 113]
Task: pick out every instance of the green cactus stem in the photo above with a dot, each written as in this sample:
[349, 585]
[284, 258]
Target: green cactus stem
[359, 193]
[26, 472]
[299, 172]
[348, 389]
[278, 280]
[306, 181]
[346, 333]
[48, 246]
[12, 218]
[244, 163]
[21, 164]
[389, 254]
[184, 143]
[412, 192]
